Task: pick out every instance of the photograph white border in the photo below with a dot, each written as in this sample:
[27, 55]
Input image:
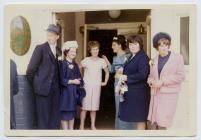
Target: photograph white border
[92, 7]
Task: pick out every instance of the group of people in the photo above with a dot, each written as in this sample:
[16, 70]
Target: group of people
[145, 89]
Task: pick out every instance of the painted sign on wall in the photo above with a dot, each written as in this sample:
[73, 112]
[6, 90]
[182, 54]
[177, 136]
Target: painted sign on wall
[20, 35]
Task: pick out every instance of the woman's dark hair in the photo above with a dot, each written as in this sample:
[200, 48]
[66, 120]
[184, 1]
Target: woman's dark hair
[134, 39]
[121, 40]
[161, 37]
[66, 52]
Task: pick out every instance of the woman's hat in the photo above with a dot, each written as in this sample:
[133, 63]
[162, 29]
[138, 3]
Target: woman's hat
[159, 36]
[70, 44]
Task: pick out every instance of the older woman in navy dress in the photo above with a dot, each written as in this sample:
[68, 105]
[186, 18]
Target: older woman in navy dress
[69, 79]
[136, 104]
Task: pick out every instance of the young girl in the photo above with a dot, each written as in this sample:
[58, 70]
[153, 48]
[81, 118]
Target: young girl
[93, 66]
[69, 79]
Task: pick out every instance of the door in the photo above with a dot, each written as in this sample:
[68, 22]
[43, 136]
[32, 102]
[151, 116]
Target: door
[106, 114]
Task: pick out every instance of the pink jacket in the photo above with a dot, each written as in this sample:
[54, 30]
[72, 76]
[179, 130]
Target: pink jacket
[163, 106]
[172, 74]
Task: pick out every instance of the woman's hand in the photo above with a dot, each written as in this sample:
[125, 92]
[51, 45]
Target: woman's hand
[75, 81]
[157, 84]
[106, 60]
[80, 66]
[120, 70]
[150, 81]
[103, 83]
[104, 57]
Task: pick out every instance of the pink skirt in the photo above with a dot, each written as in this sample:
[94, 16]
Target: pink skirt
[91, 101]
[162, 108]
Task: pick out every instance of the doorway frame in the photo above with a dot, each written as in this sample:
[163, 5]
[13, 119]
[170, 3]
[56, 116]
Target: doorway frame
[120, 27]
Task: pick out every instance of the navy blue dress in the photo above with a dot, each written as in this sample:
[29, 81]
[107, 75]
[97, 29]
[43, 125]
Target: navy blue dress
[136, 105]
[69, 97]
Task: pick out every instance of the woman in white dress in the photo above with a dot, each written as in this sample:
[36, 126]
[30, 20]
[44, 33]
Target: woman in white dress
[93, 66]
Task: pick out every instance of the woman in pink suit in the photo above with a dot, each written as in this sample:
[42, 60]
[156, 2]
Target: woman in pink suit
[166, 75]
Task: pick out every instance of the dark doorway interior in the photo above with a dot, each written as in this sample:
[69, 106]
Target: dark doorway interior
[106, 114]
[104, 37]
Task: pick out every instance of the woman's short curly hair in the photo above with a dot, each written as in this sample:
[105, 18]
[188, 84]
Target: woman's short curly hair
[93, 44]
[121, 40]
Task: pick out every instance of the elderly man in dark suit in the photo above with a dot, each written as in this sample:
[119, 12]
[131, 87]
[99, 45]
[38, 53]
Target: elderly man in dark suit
[42, 72]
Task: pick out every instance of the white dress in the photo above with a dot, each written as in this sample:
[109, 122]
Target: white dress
[92, 79]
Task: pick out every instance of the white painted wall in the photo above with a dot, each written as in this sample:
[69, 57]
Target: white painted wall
[38, 21]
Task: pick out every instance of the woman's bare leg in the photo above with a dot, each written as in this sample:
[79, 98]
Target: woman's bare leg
[64, 124]
[141, 125]
[71, 124]
[93, 119]
[82, 118]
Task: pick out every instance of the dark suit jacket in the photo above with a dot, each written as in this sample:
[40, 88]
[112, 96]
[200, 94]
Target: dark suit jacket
[136, 105]
[42, 70]
[137, 70]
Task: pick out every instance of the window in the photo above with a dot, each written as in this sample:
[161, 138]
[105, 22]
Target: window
[184, 39]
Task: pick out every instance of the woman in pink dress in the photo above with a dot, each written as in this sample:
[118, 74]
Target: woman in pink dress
[93, 66]
[166, 75]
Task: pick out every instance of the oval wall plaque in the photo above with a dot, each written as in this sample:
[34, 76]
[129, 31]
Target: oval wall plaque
[20, 35]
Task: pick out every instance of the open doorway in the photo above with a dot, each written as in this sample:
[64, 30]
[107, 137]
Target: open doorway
[84, 27]
[106, 114]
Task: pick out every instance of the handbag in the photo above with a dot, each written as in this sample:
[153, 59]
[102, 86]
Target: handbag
[81, 93]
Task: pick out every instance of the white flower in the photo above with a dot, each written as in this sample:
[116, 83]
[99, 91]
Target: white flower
[115, 38]
[124, 88]
[125, 59]
[70, 66]
[60, 58]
